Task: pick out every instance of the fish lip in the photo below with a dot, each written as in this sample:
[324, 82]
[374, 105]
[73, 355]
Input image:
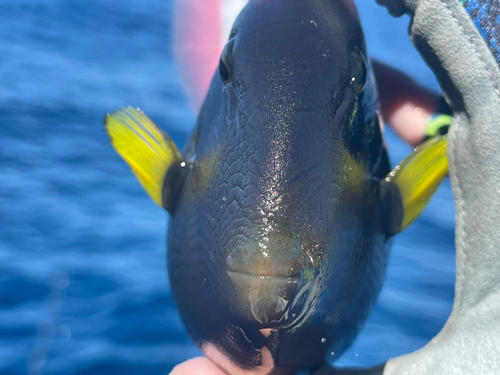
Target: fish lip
[293, 278]
[239, 268]
[264, 300]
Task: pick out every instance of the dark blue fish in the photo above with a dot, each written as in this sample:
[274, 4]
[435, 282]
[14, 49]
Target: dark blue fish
[283, 202]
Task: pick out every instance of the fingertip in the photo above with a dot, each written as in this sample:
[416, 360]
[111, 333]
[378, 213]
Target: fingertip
[197, 366]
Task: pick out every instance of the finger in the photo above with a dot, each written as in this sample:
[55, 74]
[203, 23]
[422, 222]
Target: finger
[197, 366]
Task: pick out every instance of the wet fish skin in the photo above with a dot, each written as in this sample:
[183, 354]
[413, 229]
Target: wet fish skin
[286, 161]
[282, 204]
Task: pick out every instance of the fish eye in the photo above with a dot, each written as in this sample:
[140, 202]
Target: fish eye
[225, 63]
[358, 71]
[224, 71]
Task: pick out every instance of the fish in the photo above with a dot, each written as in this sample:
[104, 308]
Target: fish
[283, 203]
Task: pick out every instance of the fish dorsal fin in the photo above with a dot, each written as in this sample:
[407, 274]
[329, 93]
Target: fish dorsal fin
[415, 180]
[148, 151]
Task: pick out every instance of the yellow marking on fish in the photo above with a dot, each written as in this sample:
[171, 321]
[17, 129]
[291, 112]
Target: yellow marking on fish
[146, 148]
[419, 175]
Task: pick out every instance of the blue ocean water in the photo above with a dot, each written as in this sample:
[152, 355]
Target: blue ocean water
[83, 284]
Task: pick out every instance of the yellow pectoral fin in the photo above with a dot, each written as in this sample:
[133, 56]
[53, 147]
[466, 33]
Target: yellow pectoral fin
[146, 148]
[438, 125]
[418, 176]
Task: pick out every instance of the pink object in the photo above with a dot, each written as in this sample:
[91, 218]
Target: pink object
[197, 44]
[201, 28]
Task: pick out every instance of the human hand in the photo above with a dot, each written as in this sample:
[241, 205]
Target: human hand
[204, 366]
[197, 366]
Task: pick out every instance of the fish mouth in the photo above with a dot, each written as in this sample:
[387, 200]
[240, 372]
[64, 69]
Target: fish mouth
[264, 299]
[295, 278]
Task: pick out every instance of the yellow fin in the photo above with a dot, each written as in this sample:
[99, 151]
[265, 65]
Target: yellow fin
[418, 176]
[438, 125]
[146, 148]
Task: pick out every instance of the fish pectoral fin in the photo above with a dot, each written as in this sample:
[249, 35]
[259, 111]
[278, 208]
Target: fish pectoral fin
[148, 151]
[415, 180]
[438, 125]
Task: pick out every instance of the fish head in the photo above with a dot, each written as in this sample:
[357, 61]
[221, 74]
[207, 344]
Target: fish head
[281, 205]
[279, 227]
